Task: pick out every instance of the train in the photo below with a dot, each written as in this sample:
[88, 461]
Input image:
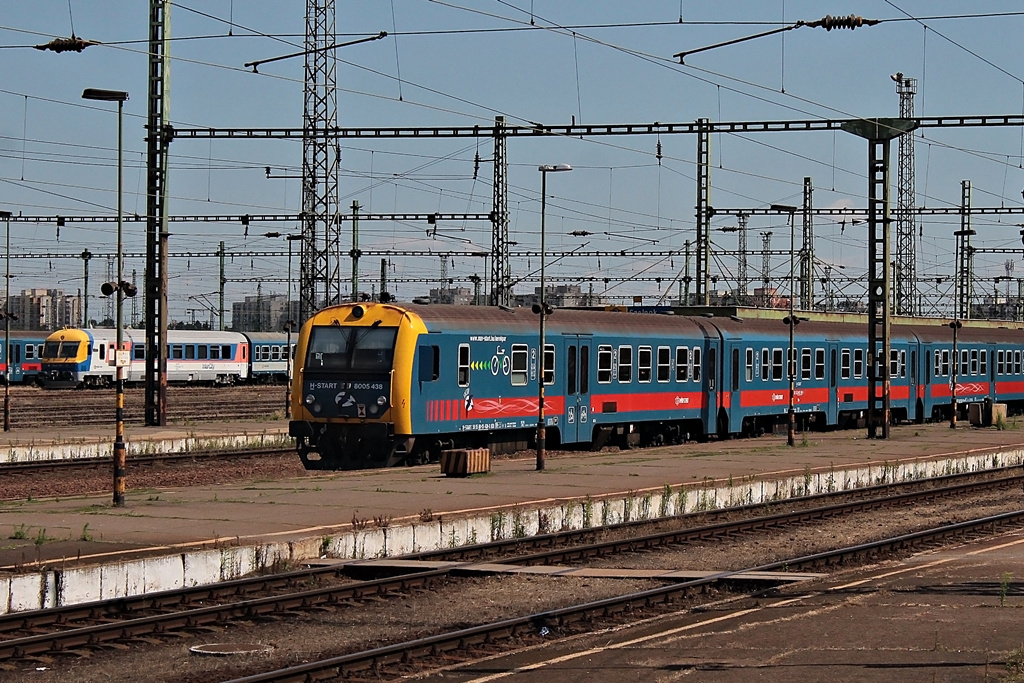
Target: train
[387, 384]
[85, 358]
[21, 362]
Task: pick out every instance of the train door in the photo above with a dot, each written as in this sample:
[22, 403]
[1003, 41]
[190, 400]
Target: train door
[832, 410]
[739, 371]
[14, 368]
[576, 420]
[710, 386]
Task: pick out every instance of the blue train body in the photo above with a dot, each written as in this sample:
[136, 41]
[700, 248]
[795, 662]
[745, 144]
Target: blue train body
[440, 377]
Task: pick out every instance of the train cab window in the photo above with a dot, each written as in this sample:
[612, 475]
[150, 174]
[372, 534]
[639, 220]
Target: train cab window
[429, 363]
[858, 363]
[644, 361]
[766, 365]
[805, 364]
[965, 364]
[819, 363]
[974, 361]
[549, 364]
[332, 347]
[190, 352]
[776, 364]
[750, 365]
[682, 364]
[844, 364]
[625, 374]
[983, 359]
[664, 363]
[604, 364]
[696, 364]
[463, 365]
[520, 358]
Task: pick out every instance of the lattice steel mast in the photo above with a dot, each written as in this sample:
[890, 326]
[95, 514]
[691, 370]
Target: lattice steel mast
[319, 282]
[905, 302]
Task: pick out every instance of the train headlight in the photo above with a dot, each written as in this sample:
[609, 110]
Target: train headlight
[309, 399]
[382, 400]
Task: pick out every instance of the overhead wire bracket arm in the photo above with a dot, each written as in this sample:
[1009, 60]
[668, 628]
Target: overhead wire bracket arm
[254, 65]
[828, 22]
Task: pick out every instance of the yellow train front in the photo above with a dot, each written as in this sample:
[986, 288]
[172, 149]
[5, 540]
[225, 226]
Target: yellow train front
[350, 395]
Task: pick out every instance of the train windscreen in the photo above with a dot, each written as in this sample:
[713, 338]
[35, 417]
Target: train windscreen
[366, 349]
[60, 349]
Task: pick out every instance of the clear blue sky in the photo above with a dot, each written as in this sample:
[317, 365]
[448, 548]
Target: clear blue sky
[462, 63]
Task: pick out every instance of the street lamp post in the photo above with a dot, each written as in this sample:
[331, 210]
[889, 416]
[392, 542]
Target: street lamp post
[542, 310]
[6, 215]
[119, 289]
[955, 326]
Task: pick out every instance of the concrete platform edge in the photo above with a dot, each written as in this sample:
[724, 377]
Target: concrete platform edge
[213, 560]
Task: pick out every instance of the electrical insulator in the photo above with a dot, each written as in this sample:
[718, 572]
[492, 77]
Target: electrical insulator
[72, 44]
[657, 154]
[851, 22]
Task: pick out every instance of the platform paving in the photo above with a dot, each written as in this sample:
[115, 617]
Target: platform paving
[182, 536]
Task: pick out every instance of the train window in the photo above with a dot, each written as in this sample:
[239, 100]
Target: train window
[190, 352]
[937, 366]
[819, 363]
[520, 356]
[984, 361]
[664, 363]
[463, 365]
[696, 363]
[203, 351]
[766, 365]
[735, 370]
[102, 351]
[858, 363]
[225, 352]
[835, 369]
[215, 352]
[570, 369]
[845, 364]
[903, 363]
[776, 364]
[430, 362]
[549, 364]
[139, 352]
[944, 364]
[604, 364]
[805, 364]
[999, 361]
[682, 364]
[1016, 362]
[625, 374]
[894, 363]
[974, 361]
[30, 351]
[644, 360]
[965, 364]
[177, 352]
[750, 365]
[276, 352]
[584, 369]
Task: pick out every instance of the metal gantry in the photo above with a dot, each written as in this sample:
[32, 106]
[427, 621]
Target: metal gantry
[807, 249]
[158, 139]
[501, 272]
[704, 212]
[963, 279]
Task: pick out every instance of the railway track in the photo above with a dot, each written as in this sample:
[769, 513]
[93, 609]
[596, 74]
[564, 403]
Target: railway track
[33, 407]
[81, 464]
[93, 625]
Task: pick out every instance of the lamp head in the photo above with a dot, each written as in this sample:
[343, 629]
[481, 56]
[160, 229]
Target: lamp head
[554, 168]
[104, 95]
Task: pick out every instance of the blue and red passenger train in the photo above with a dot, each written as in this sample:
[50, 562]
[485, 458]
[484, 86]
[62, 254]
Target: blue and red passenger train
[385, 384]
